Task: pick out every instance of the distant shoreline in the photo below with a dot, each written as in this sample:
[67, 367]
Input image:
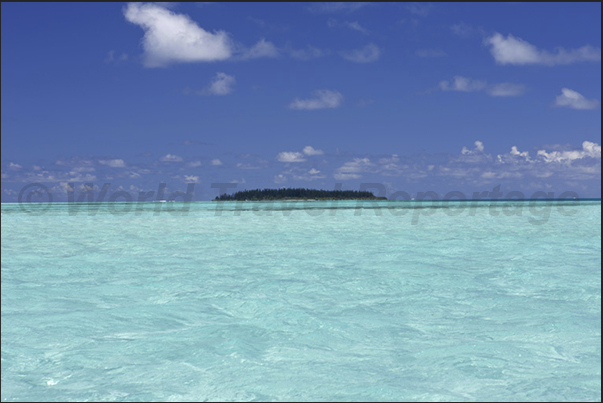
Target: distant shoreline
[325, 199]
[381, 200]
[297, 194]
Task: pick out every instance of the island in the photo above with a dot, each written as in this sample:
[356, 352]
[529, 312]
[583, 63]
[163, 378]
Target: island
[297, 194]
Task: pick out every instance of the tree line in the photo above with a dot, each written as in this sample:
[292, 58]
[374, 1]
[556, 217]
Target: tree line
[296, 193]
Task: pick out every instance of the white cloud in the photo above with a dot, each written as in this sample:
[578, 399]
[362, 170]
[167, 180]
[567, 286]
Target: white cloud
[112, 57]
[14, 166]
[290, 156]
[353, 169]
[280, 178]
[514, 156]
[191, 179]
[575, 100]
[300, 174]
[216, 162]
[366, 54]
[589, 149]
[75, 161]
[479, 148]
[308, 150]
[506, 90]
[221, 84]
[515, 151]
[342, 177]
[194, 164]
[261, 49]
[171, 37]
[116, 163]
[322, 99]
[512, 50]
[462, 29]
[464, 84]
[170, 158]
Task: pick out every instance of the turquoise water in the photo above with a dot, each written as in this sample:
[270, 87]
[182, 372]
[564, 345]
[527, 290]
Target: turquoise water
[272, 301]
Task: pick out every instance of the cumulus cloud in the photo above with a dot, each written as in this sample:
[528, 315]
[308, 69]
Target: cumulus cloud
[343, 177]
[290, 156]
[116, 163]
[294, 156]
[506, 90]
[366, 54]
[464, 84]
[175, 38]
[514, 156]
[221, 84]
[280, 178]
[322, 99]
[170, 158]
[353, 169]
[479, 148]
[575, 100]
[14, 166]
[516, 152]
[194, 164]
[300, 174]
[309, 150]
[261, 49]
[171, 37]
[191, 179]
[216, 162]
[589, 149]
[559, 165]
[512, 50]
[562, 166]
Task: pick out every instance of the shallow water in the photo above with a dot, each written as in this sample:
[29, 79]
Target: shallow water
[303, 301]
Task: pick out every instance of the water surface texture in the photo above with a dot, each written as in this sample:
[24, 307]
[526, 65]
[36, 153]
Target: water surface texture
[306, 301]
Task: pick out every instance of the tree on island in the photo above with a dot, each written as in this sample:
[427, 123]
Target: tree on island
[297, 194]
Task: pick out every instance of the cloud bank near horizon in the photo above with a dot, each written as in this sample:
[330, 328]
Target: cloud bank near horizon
[552, 168]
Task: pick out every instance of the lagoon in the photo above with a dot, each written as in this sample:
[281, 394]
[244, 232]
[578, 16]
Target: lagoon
[306, 301]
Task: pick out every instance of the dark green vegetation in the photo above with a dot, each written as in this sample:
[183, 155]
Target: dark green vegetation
[298, 194]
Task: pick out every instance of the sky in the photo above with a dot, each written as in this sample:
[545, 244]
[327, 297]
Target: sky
[415, 97]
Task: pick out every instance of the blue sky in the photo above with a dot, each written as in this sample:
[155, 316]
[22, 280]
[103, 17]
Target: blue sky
[418, 97]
